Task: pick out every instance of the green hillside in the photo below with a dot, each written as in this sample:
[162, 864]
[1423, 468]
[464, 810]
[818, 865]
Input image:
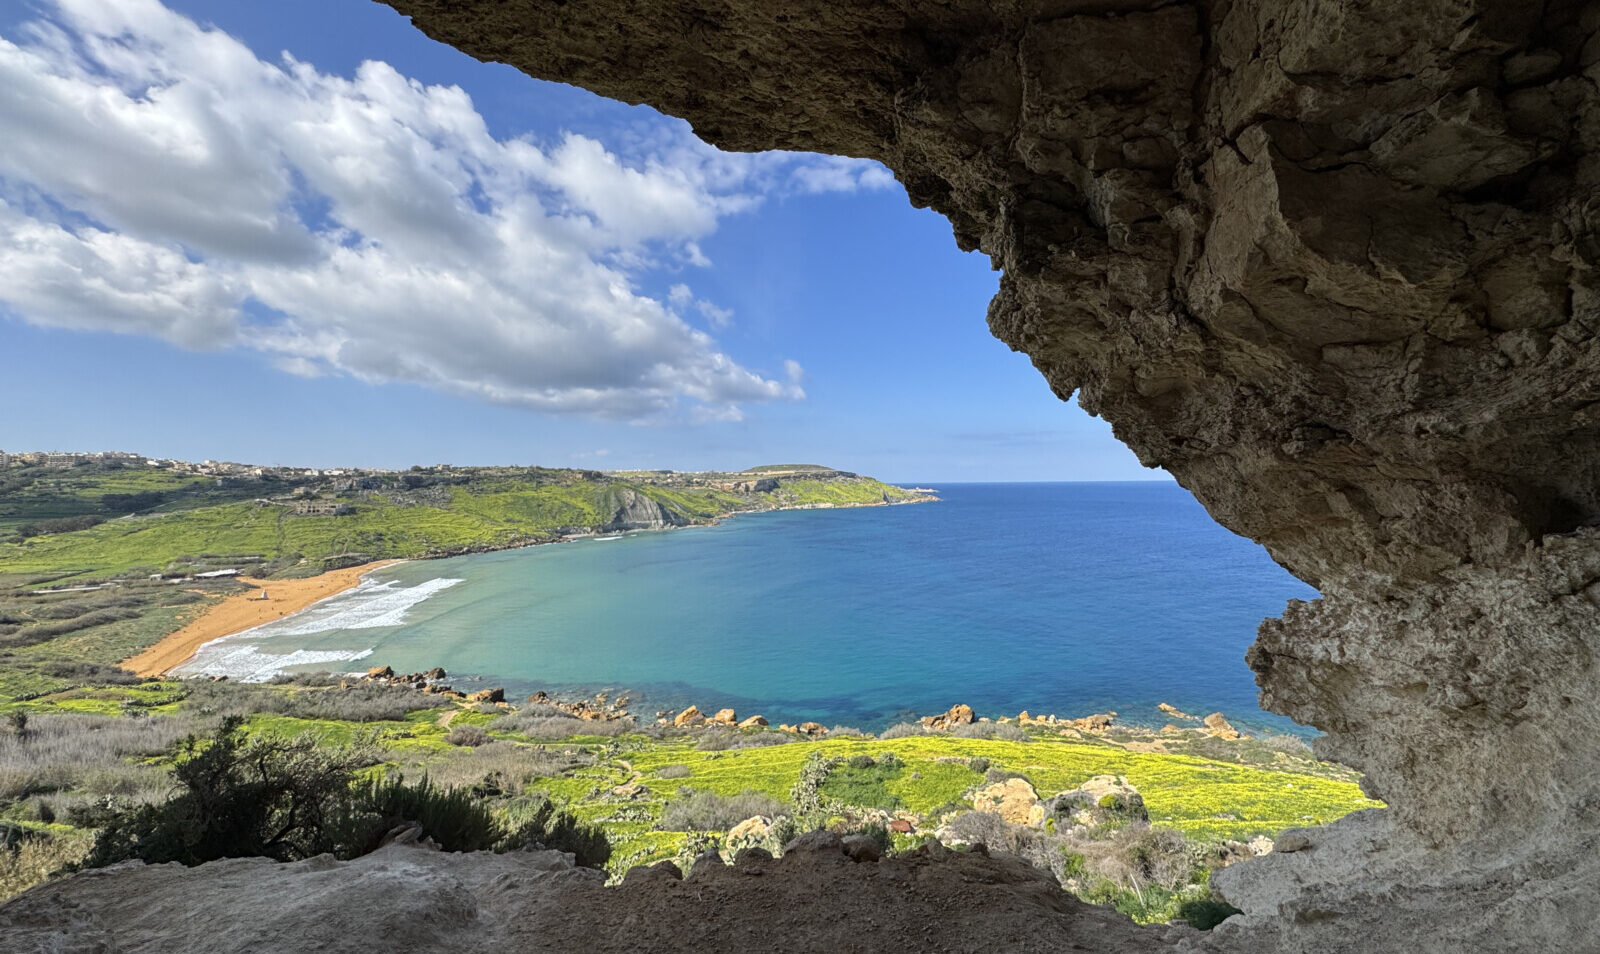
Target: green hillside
[95, 521]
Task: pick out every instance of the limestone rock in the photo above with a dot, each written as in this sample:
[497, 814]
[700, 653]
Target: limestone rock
[1098, 722]
[1217, 725]
[487, 695]
[754, 722]
[689, 717]
[1013, 800]
[959, 714]
[753, 832]
[725, 717]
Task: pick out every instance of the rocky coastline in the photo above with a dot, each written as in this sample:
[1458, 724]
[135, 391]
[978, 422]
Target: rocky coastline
[605, 707]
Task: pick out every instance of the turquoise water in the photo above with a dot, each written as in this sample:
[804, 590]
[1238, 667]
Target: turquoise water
[1065, 598]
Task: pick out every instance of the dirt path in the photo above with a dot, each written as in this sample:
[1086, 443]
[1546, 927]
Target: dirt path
[238, 613]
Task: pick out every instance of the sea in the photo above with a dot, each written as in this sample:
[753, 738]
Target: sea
[1064, 598]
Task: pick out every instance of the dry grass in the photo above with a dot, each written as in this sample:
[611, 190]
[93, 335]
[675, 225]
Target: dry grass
[499, 766]
[35, 860]
[549, 724]
[366, 702]
[89, 754]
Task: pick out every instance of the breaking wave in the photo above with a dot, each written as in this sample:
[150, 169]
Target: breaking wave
[247, 656]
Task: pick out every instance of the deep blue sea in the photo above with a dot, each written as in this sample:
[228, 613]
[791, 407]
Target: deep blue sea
[1068, 598]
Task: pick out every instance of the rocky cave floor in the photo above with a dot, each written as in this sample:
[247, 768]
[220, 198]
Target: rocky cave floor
[817, 898]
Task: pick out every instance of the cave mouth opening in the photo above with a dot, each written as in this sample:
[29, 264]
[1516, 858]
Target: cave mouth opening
[1221, 223]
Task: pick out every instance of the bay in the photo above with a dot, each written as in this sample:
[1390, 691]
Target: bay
[1068, 598]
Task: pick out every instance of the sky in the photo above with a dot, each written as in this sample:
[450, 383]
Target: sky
[303, 233]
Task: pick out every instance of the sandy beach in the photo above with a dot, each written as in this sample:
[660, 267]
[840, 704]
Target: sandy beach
[238, 613]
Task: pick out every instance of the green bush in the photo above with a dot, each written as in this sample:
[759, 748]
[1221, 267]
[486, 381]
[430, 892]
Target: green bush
[536, 822]
[453, 818]
[290, 800]
[236, 799]
[708, 811]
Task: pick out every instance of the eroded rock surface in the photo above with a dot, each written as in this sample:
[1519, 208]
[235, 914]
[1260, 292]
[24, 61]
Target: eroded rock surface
[409, 898]
[1332, 264]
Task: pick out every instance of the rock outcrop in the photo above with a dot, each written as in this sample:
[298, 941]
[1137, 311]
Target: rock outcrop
[1331, 264]
[631, 510]
[958, 714]
[1013, 799]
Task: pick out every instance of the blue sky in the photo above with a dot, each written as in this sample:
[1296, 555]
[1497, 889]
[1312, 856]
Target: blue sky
[381, 252]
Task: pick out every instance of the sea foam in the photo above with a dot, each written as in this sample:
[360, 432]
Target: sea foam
[368, 605]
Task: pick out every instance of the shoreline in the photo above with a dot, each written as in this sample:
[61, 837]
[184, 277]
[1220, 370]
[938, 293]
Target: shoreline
[287, 597]
[235, 614]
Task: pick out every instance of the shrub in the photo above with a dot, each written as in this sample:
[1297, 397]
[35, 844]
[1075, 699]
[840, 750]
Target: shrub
[453, 818]
[979, 765]
[494, 769]
[708, 811]
[1006, 732]
[471, 736]
[807, 791]
[1003, 731]
[902, 730]
[535, 822]
[715, 740]
[266, 797]
[535, 722]
[673, 771]
[757, 740]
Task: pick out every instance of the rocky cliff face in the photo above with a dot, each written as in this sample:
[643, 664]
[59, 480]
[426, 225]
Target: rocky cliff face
[631, 510]
[1330, 263]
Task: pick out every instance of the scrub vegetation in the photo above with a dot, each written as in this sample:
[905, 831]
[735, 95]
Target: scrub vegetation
[104, 767]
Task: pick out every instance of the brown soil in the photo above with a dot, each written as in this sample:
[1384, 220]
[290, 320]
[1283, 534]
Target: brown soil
[236, 614]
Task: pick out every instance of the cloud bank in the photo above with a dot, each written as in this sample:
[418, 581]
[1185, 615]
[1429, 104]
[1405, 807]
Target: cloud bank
[158, 178]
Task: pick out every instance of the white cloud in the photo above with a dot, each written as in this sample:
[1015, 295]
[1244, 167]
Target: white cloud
[719, 317]
[158, 178]
[682, 298]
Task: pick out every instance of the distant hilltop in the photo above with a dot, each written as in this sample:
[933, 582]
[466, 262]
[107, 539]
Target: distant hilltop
[79, 517]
